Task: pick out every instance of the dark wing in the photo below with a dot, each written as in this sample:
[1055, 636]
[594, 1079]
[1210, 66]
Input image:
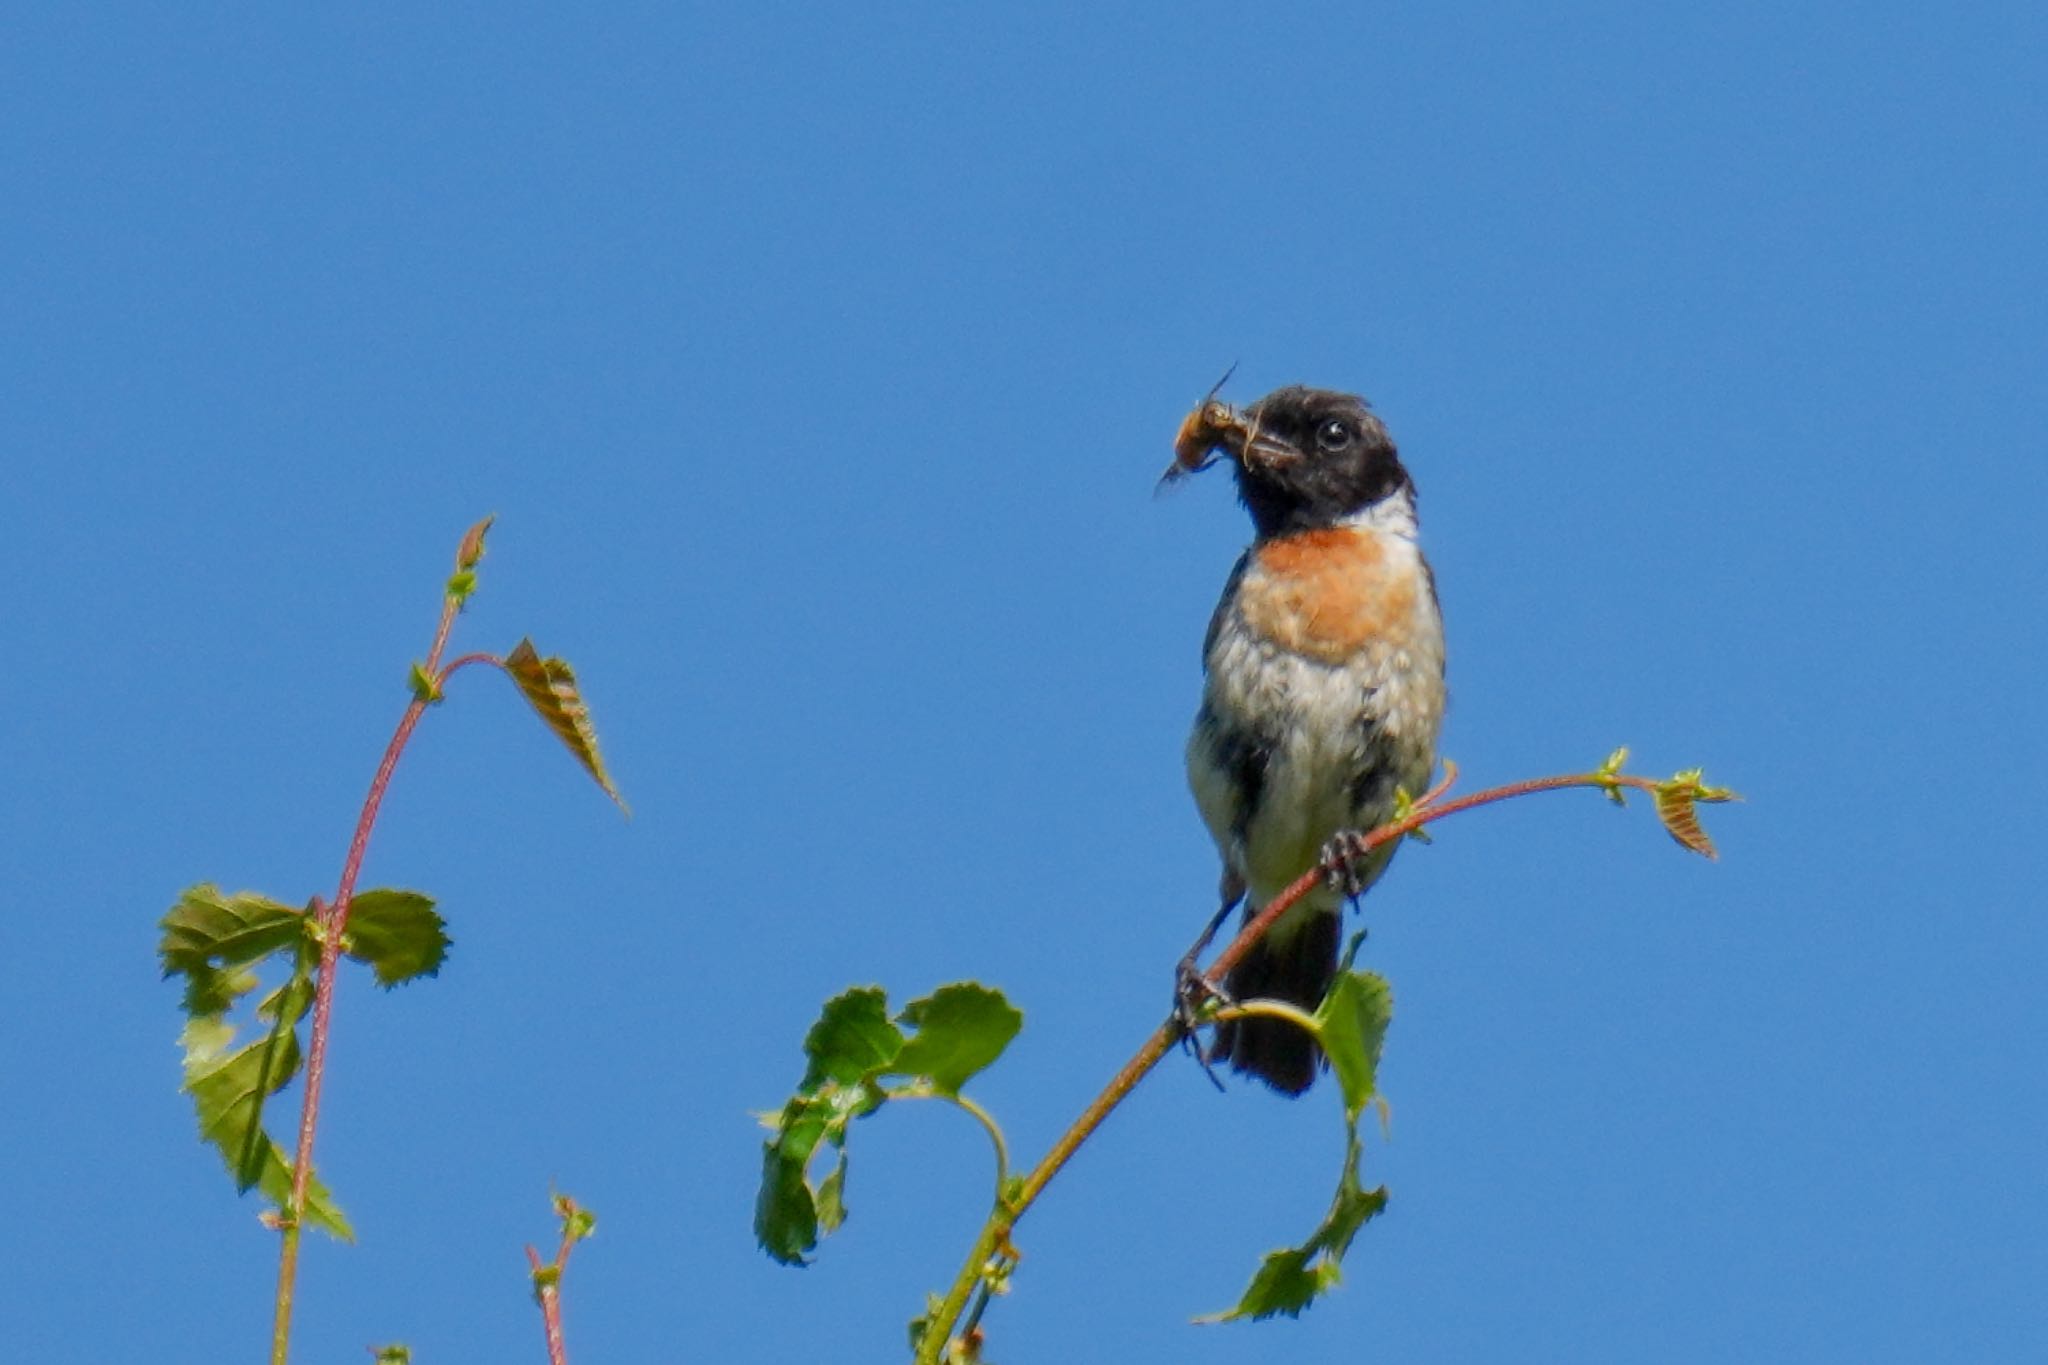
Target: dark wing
[1223, 605]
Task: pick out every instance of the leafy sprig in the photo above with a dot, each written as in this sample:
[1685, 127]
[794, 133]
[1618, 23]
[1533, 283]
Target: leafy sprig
[220, 945]
[855, 1046]
[857, 1059]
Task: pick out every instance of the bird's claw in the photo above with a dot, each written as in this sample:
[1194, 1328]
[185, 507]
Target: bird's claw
[1349, 859]
[1193, 993]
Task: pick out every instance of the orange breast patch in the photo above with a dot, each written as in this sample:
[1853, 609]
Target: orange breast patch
[1326, 594]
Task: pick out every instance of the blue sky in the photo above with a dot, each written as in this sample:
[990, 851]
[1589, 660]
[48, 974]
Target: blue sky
[818, 368]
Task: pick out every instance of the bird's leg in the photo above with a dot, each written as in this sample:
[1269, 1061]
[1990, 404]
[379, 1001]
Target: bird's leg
[1191, 990]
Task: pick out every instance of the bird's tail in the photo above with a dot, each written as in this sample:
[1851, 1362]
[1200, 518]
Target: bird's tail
[1295, 963]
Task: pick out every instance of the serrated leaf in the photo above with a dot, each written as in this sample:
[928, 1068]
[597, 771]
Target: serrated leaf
[208, 927]
[1282, 1285]
[1351, 1026]
[398, 933]
[228, 1090]
[852, 1040]
[206, 935]
[549, 686]
[961, 1028]
[1677, 810]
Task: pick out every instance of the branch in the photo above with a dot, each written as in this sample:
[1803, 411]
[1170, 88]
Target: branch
[991, 1253]
[577, 1223]
[334, 923]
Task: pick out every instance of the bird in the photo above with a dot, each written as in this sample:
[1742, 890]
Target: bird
[1323, 691]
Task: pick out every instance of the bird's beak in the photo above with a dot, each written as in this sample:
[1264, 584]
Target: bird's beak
[1216, 426]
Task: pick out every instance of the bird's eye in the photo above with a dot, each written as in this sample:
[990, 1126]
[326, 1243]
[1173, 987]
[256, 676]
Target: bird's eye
[1335, 434]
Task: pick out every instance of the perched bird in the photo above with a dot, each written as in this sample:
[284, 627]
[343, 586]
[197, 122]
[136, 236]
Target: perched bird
[1323, 689]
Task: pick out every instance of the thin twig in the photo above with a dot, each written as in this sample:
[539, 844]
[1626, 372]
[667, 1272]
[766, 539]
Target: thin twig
[547, 1279]
[547, 1290]
[332, 926]
[453, 664]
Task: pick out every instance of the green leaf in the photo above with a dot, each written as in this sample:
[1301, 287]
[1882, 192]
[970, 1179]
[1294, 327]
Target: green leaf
[213, 940]
[831, 1196]
[1283, 1284]
[549, 686]
[1353, 1208]
[229, 1089]
[424, 687]
[849, 1045]
[397, 1353]
[288, 1004]
[961, 1028]
[1351, 1024]
[397, 933]
[852, 1040]
[207, 935]
[785, 1215]
[1289, 1280]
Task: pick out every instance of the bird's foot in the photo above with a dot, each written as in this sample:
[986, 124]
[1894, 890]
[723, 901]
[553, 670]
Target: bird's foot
[1193, 994]
[1349, 859]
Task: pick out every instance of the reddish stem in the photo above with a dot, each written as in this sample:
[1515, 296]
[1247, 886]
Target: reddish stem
[1431, 807]
[332, 926]
[441, 679]
[548, 1291]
